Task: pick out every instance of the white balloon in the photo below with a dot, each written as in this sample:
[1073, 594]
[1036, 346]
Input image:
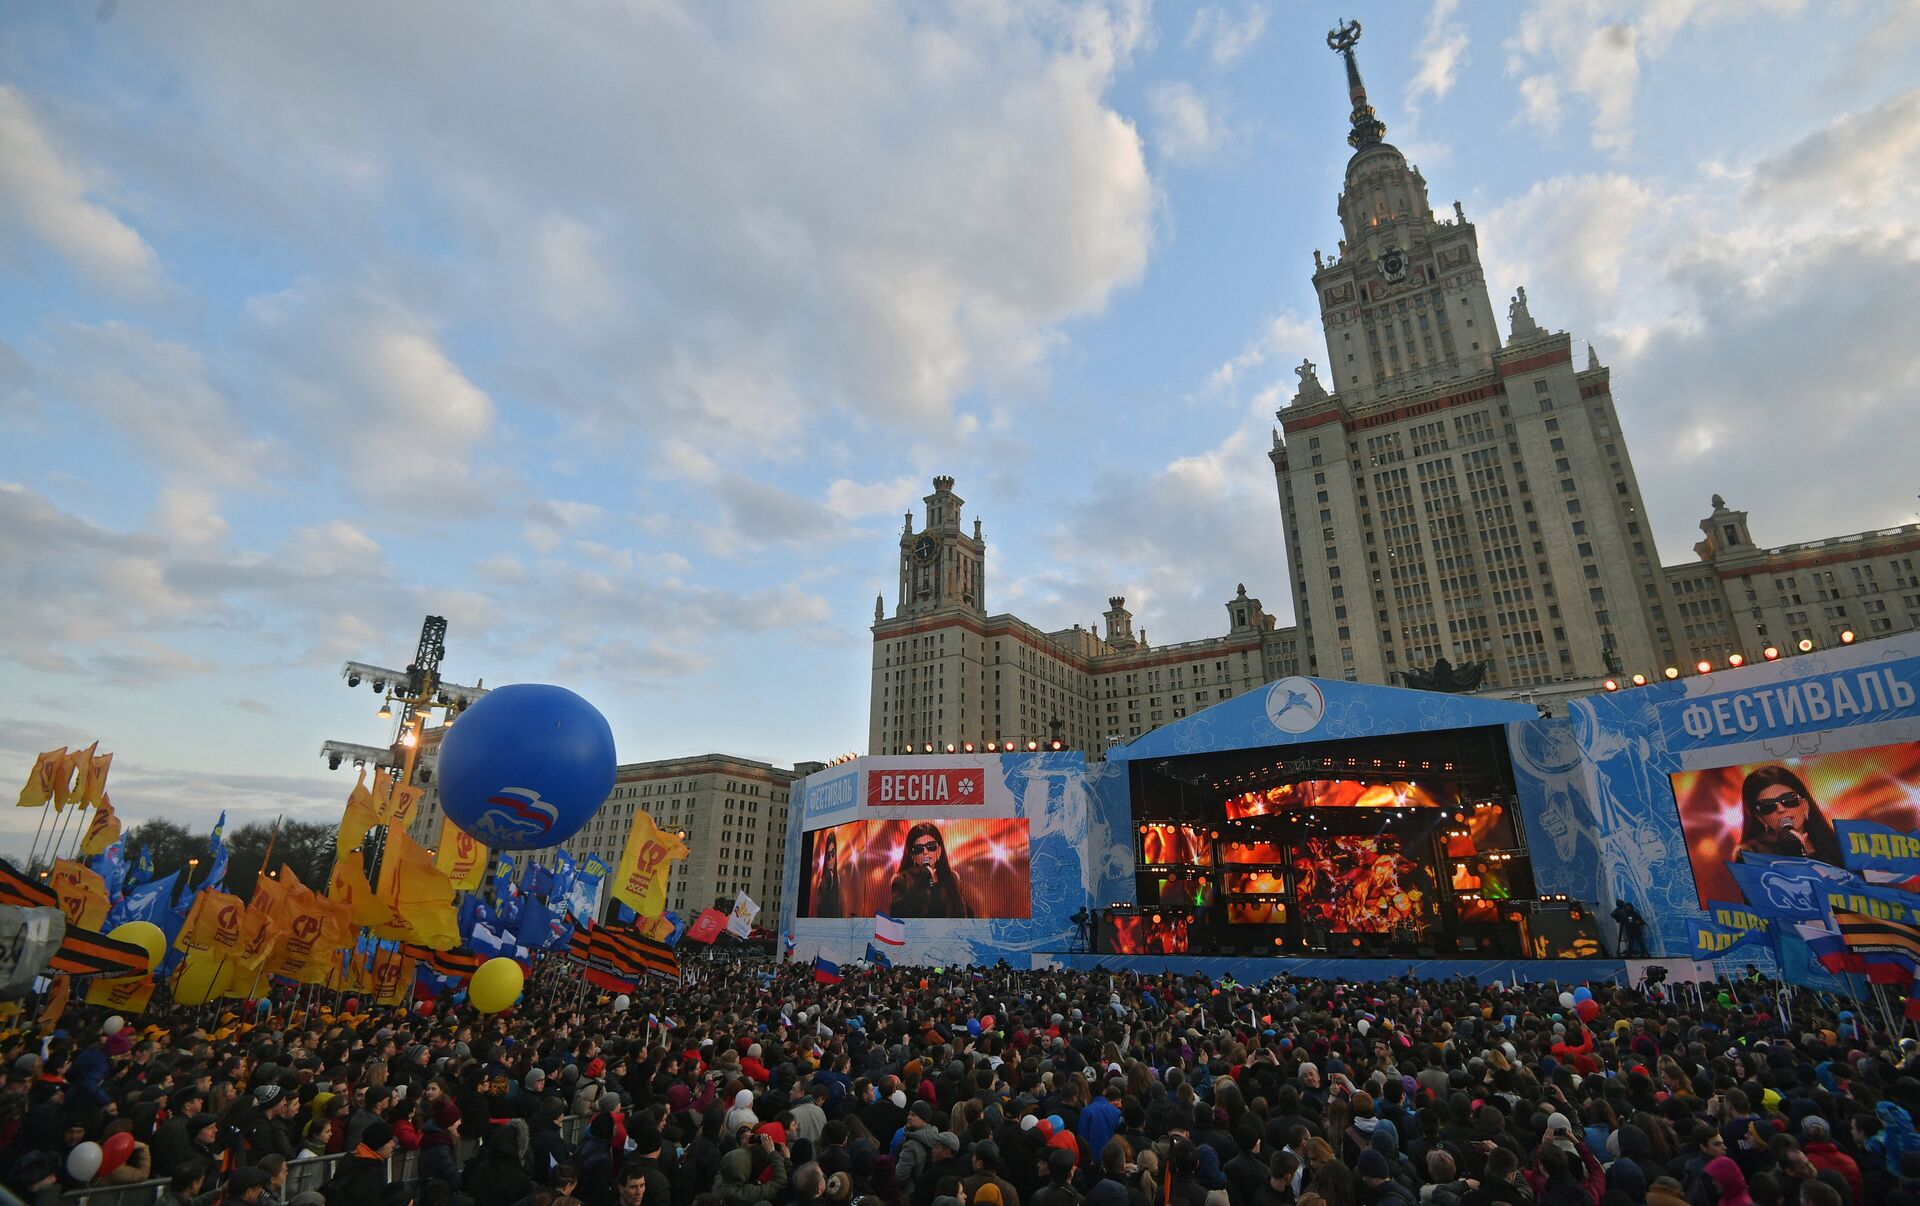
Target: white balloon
[622, 1003]
[1566, 1000]
[1363, 1025]
[114, 1024]
[83, 1162]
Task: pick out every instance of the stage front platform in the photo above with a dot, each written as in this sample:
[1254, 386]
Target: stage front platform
[1257, 969]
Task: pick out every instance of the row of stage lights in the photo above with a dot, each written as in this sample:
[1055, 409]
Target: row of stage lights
[1010, 746]
[1734, 661]
[1306, 765]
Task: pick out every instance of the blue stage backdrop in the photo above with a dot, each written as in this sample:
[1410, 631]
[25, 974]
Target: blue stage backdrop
[950, 860]
[1670, 766]
[1562, 839]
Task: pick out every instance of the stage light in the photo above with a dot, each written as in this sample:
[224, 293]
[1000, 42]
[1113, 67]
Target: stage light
[1279, 941]
[385, 712]
[1156, 919]
[950, 748]
[966, 747]
[1806, 646]
[1736, 660]
[1639, 680]
[1057, 745]
[929, 747]
[1771, 652]
[1611, 685]
[1846, 636]
[906, 749]
[1672, 672]
[1032, 745]
[1703, 666]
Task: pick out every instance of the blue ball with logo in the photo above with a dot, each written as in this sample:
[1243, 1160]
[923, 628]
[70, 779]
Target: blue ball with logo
[526, 766]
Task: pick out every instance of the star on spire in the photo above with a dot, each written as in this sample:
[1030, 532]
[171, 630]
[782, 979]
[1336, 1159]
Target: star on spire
[1367, 129]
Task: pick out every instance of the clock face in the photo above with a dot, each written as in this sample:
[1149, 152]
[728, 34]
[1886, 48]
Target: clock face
[924, 548]
[1393, 265]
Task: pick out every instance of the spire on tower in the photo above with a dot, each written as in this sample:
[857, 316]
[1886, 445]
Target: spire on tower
[1368, 129]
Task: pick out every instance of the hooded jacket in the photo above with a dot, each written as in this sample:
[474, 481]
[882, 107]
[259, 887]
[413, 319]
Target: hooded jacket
[735, 1185]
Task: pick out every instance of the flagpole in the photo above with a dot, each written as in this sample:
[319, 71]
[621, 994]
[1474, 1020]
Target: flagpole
[33, 851]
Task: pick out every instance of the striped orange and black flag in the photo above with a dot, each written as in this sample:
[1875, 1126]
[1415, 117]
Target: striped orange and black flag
[89, 953]
[658, 958]
[1892, 949]
[457, 963]
[17, 889]
[580, 946]
[617, 950]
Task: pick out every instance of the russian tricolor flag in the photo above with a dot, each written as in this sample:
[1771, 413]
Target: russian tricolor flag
[825, 972]
[890, 930]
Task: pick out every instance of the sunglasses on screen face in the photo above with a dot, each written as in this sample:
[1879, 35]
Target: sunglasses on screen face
[1764, 808]
[927, 847]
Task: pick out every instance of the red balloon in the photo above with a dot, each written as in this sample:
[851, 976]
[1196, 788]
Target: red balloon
[426, 1008]
[352, 1005]
[1588, 1009]
[114, 1152]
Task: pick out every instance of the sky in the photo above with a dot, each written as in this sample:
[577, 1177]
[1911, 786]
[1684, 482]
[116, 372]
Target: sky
[622, 333]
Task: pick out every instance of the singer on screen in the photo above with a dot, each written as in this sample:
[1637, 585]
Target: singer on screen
[1779, 816]
[924, 885]
[826, 896]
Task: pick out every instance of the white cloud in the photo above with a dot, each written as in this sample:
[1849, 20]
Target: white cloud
[1284, 335]
[858, 500]
[1441, 54]
[1186, 129]
[56, 201]
[1224, 37]
[1598, 49]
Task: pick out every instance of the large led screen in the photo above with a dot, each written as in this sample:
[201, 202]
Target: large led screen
[973, 867]
[1339, 793]
[1361, 885]
[1787, 806]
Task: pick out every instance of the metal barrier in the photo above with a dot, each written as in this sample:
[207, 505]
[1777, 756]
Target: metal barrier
[303, 1173]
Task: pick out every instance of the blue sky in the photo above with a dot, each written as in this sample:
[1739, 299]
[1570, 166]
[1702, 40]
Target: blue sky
[622, 334]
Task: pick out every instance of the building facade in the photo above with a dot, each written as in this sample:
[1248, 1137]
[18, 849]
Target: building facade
[947, 671]
[732, 812]
[1445, 492]
[1739, 597]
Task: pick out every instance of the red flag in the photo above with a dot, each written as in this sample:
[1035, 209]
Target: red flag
[707, 926]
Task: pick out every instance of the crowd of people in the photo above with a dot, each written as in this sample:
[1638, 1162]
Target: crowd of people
[757, 1086]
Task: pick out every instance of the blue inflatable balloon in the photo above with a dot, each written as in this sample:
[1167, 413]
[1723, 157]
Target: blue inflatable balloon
[1583, 993]
[526, 766]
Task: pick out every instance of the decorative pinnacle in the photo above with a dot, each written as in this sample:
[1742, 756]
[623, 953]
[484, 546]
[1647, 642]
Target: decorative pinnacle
[1367, 129]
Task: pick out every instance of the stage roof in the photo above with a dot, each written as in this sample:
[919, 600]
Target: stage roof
[1301, 711]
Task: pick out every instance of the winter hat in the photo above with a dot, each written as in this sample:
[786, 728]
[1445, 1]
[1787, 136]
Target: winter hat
[377, 1135]
[1373, 1164]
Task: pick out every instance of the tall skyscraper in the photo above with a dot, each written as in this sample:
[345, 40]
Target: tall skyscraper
[1445, 493]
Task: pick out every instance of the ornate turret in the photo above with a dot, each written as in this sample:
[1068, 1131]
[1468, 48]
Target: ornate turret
[1367, 129]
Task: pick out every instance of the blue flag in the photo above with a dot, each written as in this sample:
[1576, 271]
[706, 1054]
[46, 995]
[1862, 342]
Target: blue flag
[563, 875]
[877, 957]
[679, 930]
[143, 871]
[1870, 846]
[111, 866]
[1804, 889]
[622, 915]
[217, 848]
[536, 880]
[536, 925]
[148, 902]
[472, 911]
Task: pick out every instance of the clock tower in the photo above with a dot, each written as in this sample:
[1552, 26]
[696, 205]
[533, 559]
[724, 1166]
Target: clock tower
[940, 565]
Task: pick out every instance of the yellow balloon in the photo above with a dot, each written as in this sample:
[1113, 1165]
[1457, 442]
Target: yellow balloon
[147, 935]
[496, 984]
[199, 980]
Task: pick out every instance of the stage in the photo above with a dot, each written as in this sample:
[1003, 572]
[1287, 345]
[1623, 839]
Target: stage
[1259, 969]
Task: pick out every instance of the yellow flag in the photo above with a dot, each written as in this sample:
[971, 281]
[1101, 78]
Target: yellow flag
[351, 893]
[461, 857]
[40, 783]
[212, 924]
[121, 994]
[56, 1003]
[96, 772]
[82, 894]
[258, 932]
[392, 979]
[641, 878]
[101, 830]
[360, 816]
[416, 895]
[81, 789]
[63, 776]
[312, 929]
